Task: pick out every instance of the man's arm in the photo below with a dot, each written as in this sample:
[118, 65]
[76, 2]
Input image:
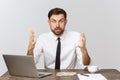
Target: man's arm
[82, 46]
[31, 44]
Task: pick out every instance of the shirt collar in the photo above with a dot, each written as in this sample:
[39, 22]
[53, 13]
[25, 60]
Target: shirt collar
[61, 37]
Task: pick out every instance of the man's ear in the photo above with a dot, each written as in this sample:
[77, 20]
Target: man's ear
[48, 21]
[66, 21]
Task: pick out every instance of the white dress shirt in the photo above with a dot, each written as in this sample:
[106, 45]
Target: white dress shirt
[46, 44]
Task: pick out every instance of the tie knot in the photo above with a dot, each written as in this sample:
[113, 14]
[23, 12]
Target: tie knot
[58, 39]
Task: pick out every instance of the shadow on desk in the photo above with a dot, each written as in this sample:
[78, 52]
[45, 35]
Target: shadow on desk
[110, 74]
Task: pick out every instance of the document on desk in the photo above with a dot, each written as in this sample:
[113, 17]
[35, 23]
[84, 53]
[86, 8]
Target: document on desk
[97, 76]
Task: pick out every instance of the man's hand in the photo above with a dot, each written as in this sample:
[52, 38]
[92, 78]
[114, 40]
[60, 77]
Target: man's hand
[31, 44]
[82, 46]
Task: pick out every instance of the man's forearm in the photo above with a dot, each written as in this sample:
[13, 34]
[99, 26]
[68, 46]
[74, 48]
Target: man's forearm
[85, 56]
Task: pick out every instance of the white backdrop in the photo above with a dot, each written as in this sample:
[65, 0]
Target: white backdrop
[98, 19]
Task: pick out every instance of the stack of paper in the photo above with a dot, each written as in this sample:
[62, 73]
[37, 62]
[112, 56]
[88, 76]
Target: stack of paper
[91, 77]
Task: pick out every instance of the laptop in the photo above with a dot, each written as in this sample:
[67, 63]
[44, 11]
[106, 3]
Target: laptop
[19, 65]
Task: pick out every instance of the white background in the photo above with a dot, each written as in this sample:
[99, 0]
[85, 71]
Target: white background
[98, 19]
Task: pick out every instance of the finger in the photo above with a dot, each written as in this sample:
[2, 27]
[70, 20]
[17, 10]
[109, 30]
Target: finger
[83, 39]
[82, 36]
[32, 36]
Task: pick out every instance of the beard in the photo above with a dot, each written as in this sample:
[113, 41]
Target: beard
[58, 31]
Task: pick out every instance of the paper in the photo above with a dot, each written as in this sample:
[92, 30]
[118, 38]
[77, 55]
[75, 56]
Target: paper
[65, 73]
[91, 77]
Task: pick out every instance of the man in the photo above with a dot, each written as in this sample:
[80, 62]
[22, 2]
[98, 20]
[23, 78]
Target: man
[72, 45]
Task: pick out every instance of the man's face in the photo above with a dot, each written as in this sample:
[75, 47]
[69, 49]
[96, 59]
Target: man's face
[57, 24]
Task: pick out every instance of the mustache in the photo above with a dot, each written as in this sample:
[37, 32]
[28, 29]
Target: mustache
[57, 28]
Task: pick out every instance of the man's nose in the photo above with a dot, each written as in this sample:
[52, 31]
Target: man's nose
[58, 24]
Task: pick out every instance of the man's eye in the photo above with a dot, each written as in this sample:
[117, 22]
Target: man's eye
[61, 21]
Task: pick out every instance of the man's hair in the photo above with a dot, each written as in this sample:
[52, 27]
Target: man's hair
[57, 11]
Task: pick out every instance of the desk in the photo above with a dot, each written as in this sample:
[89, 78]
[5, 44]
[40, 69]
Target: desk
[110, 74]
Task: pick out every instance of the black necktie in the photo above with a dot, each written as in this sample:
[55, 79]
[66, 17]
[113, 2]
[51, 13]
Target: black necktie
[57, 62]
